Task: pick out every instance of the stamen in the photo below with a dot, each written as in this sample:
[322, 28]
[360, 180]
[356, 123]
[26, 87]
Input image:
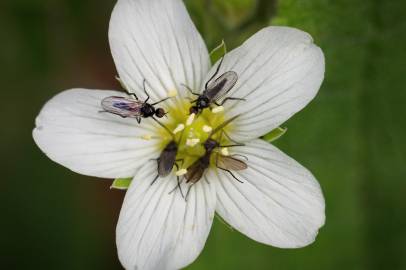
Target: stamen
[181, 172]
[146, 137]
[217, 109]
[172, 93]
[224, 151]
[190, 119]
[179, 128]
[207, 128]
[192, 142]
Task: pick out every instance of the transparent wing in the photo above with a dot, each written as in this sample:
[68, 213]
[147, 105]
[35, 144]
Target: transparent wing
[231, 163]
[167, 159]
[122, 106]
[221, 86]
[195, 172]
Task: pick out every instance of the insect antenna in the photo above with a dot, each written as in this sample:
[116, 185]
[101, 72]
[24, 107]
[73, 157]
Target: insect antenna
[215, 73]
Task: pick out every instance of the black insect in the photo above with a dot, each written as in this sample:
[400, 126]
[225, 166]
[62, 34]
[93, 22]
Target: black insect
[214, 90]
[166, 161]
[223, 162]
[133, 107]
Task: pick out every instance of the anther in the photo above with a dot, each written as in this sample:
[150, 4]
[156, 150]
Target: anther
[179, 128]
[217, 109]
[190, 119]
[192, 142]
[224, 151]
[181, 172]
[172, 93]
[146, 137]
[207, 128]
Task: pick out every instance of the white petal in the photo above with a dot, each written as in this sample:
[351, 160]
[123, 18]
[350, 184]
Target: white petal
[158, 229]
[279, 203]
[72, 131]
[280, 71]
[157, 41]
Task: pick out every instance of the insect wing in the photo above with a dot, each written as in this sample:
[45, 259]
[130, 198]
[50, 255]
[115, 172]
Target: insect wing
[167, 159]
[221, 86]
[122, 106]
[231, 163]
[195, 172]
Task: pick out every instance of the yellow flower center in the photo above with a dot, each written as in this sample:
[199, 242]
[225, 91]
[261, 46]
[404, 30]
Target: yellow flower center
[191, 131]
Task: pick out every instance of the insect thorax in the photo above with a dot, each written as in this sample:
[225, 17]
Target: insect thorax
[202, 102]
[147, 110]
[210, 145]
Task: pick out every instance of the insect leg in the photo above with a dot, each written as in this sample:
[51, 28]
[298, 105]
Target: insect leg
[207, 181]
[238, 155]
[159, 101]
[122, 116]
[190, 90]
[230, 98]
[145, 90]
[228, 137]
[178, 185]
[215, 73]
[138, 119]
[231, 145]
[156, 178]
[188, 191]
[181, 160]
[231, 174]
[131, 94]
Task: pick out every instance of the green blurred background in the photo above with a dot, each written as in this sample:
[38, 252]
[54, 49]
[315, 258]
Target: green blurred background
[352, 136]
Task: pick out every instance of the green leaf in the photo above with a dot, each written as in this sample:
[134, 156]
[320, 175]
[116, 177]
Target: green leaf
[274, 134]
[218, 52]
[121, 183]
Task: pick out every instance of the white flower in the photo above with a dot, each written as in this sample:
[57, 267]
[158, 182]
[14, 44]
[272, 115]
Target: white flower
[279, 72]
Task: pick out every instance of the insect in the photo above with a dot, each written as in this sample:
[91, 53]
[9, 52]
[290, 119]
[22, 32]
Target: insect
[223, 162]
[214, 90]
[133, 107]
[166, 161]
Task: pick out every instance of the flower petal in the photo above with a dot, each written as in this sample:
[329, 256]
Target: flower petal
[72, 131]
[279, 203]
[157, 41]
[157, 228]
[280, 71]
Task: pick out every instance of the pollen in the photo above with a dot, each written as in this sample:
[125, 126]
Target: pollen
[146, 137]
[179, 128]
[192, 142]
[190, 119]
[224, 151]
[217, 109]
[172, 93]
[207, 128]
[181, 172]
